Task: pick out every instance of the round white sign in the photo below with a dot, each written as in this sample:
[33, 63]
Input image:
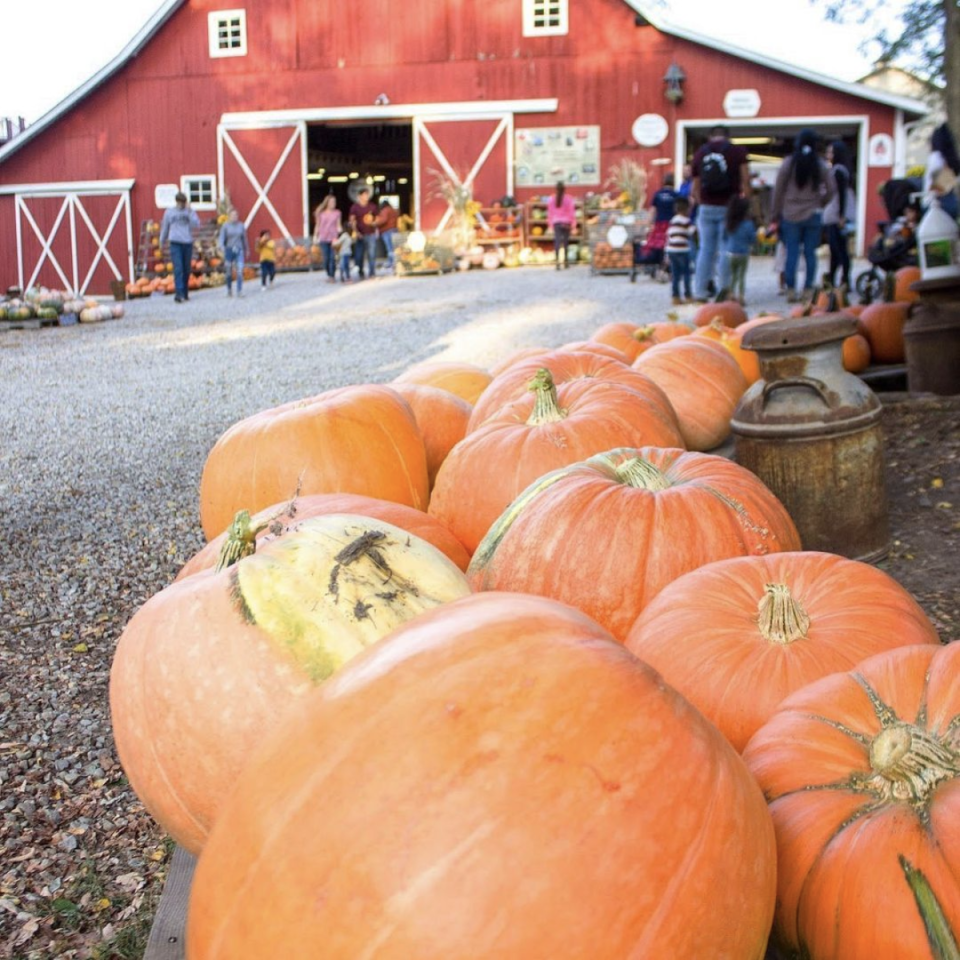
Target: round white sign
[617, 236]
[650, 130]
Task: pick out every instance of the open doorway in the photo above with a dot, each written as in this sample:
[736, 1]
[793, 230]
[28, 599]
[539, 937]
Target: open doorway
[342, 153]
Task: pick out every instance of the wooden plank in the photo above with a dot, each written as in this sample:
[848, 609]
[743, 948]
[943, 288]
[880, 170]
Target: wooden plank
[167, 936]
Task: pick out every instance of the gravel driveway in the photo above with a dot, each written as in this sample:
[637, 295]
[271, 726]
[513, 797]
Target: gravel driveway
[105, 430]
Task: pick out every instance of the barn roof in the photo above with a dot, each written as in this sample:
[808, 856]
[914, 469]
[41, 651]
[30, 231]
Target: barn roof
[169, 7]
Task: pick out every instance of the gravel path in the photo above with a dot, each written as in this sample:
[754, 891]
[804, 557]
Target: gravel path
[106, 428]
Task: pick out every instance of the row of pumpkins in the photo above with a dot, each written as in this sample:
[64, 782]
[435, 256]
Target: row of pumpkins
[42, 303]
[145, 286]
[503, 664]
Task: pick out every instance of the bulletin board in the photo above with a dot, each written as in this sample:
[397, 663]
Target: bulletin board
[544, 155]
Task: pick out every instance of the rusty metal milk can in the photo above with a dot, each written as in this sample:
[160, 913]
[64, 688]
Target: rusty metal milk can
[811, 432]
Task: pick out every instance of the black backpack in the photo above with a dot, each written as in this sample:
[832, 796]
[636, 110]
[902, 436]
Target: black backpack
[715, 175]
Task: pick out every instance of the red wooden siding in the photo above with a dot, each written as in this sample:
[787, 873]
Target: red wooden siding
[156, 119]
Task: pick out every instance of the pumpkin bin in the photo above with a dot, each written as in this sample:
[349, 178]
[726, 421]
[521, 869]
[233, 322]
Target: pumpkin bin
[209, 664]
[497, 778]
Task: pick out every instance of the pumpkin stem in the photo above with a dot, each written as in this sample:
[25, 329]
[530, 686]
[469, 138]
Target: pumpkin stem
[909, 763]
[241, 540]
[643, 334]
[640, 473]
[780, 616]
[547, 407]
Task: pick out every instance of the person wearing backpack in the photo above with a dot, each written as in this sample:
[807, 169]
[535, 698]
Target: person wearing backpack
[720, 172]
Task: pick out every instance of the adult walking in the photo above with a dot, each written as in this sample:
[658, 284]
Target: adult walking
[363, 219]
[720, 171]
[387, 220]
[177, 227]
[236, 250]
[327, 226]
[838, 214]
[803, 188]
[561, 217]
[943, 168]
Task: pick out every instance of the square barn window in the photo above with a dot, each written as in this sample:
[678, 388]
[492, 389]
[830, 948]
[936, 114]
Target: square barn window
[228, 33]
[545, 18]
[201, 191]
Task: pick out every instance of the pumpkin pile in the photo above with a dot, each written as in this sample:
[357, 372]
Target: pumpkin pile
[55, 307]
[508, 663]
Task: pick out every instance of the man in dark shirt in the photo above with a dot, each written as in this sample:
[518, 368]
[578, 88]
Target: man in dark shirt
[720, 171]
[363, 218]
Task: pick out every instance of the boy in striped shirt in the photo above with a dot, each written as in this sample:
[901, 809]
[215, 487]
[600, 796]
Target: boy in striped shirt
[679, 234]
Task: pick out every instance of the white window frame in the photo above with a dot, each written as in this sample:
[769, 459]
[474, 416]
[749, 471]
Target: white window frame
[197, 204]
[215, 21]
[534, 10]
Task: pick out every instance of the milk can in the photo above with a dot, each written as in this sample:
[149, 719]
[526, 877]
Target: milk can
[811, 431]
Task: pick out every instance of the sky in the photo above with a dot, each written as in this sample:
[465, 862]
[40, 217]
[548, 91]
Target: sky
[72, 43]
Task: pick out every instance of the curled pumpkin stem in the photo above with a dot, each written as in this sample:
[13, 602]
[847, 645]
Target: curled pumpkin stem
[547, 408]
[780, 617]
[909, 763]
[241, 540]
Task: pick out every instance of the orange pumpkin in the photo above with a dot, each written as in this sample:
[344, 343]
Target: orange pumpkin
[565, 366]
[549, 428]
[703, 383]
[282, 518]
[361, 439]
[592, 346]
[882, 324]
[737, 636]
[442, 417]
[856, 353]
[862, 774]
[607, 535]
[902, 281]
[621, 336]
[466, 380]
[663, 330]
[209, 664]
[520, 354]
[502, 737]
[728, 312]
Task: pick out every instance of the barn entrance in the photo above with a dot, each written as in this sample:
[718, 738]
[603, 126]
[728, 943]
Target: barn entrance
[343, 154]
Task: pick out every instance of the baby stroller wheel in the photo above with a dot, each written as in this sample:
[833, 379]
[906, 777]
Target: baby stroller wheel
[869, 286]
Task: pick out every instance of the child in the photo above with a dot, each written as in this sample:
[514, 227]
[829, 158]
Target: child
[739, 236]
[680, 235]
[344, 247]
[267, 250]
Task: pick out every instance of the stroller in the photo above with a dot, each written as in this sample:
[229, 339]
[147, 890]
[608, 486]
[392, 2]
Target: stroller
[896, 245]
[649, 253]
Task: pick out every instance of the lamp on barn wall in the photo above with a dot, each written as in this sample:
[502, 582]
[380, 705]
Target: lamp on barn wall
[673, 79]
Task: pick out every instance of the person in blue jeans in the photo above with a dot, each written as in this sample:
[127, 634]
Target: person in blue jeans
[803, 188]
[236, 250]
[178, 225]
[720, 171]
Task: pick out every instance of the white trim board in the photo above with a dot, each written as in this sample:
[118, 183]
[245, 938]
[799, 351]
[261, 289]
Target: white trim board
[66, 186]
[458, 110]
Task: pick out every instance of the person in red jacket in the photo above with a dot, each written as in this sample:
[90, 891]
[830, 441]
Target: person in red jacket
[363, 219]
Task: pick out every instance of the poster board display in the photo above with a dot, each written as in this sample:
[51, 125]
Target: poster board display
[544, 155]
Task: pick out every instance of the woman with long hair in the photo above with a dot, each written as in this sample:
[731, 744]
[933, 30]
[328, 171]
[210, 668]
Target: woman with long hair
[804, 186]
[327, 227]
[561, 218]
[839, 213]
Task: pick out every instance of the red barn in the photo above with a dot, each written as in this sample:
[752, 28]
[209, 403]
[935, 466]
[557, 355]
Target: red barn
[279, 102]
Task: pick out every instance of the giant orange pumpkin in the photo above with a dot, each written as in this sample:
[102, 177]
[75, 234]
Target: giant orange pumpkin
[737, 636]
[549, 428]
[564, 366]
[466, 380]
[360, 439]
[607, 535]
[282, 518]
[862, 774]
[207, 666]
[620, 335]
[882, 324]
[496, 779]
[442, 417]
[703, 382]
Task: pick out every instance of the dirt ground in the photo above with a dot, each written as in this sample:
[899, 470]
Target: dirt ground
[922, 438]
